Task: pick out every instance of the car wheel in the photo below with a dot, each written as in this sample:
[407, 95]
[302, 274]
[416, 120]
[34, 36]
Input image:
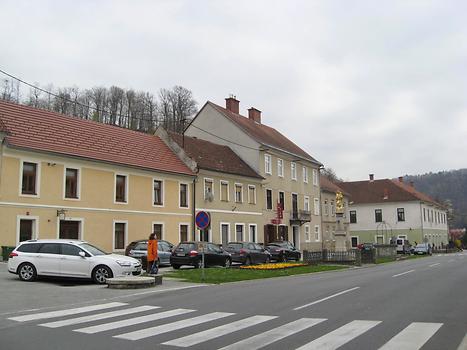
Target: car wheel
[176, 267]
[248, 261]
[227, 263]
[27, 272]
[101, 273]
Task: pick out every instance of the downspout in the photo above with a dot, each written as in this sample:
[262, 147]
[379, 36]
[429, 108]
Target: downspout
[193, 214]
[421, 222]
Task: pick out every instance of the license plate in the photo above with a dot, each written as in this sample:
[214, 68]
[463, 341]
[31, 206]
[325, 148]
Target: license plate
[180, 254]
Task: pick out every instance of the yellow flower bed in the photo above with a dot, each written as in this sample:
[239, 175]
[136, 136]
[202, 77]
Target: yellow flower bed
[276, 266]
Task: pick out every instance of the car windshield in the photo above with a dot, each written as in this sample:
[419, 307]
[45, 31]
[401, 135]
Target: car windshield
[420, 245]
[141, 246]
[92, 249]
[279, 244]
[186, 246]
[234, 246]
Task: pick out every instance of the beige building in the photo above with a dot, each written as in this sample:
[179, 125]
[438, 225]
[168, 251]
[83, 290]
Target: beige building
[226, 187]
[63, 177]
[335, 227]
[291, 176]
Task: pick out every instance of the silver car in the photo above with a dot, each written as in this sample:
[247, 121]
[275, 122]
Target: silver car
[140, 252]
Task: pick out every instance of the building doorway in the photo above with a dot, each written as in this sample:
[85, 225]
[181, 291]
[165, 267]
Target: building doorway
[296, 236]
[225, 234]
[26, 229]
[282, 234]
[70, 229]
[270, 233]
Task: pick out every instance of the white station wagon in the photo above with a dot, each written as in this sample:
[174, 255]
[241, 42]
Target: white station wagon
[68, 258]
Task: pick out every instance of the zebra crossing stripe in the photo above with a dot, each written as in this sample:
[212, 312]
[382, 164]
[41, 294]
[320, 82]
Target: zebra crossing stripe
[340, 336]
[216, 332]
[132, 321]
[413, 336]
[169, 327]
[96, 317]
[68, 312]
[275, 334]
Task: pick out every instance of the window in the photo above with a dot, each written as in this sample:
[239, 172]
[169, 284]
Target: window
[224, 191]
[120, 188]
[315, 177]
[293, 171]
[239, 232]
[316, 232]
[326, 209]
[238, 193]
[354, 241]
[158, 229]
[305, 174]
[306, 203]
[400, 214]
[68, 249]
[267, 164]
[333, 208]
[50, 248]
[208, 189]
[353, 217]
[280, 168]
[119, 235]
[183, 233]
[268, 199]
[251, 194]
[282, 199]
[253, 237]
[29, 181]
[307, 233]
[158, 192]
[378, 215]
[183, 195]
[424, 214]
[316, 206]
[71, 183]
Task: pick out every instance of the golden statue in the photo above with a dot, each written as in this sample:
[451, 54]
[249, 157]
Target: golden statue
[339, 202]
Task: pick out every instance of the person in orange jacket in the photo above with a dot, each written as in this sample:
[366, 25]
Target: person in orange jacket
[152, 254]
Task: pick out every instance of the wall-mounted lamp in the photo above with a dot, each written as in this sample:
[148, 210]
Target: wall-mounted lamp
[61, 214]
[51, 164]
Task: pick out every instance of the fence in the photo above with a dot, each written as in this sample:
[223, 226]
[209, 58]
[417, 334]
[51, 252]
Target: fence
[349, 257]
[445, 250]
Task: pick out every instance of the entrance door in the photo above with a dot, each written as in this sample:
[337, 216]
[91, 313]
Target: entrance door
[26, 229]
[225, 234]
[296, 236]
[283, 233]
[69, 229]
[269, 233]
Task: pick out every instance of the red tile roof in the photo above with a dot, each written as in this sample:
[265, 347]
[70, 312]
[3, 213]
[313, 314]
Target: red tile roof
[363, 192]
[329, 186]
[264, 134]
[39, 130]
[211, 156]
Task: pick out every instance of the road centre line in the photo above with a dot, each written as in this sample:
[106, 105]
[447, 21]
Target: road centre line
[326, 298]
[403, 273]
[432, 265]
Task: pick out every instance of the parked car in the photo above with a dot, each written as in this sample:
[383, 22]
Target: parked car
[68, 258]
[190, 253]
[283, 251]
[248, 253]
[403, 246]
[133, 244]
[423, 248]
[140, 252]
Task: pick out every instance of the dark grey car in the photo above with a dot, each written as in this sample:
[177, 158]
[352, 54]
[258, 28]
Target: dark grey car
[140, 252]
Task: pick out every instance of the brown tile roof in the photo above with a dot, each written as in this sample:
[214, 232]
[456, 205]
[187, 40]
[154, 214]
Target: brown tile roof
[329, 186]
[264, 134]
[40, 130]
[211, 156]
[363, 192]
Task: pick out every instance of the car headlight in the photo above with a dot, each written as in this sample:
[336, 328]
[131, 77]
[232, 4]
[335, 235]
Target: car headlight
[124, 263]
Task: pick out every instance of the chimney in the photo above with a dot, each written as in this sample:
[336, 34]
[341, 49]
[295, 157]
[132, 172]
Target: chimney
[232, 104]
[254, 114]
[372, 177]
[401, 179]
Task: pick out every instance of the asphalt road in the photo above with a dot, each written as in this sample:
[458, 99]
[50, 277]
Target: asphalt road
[414, 304]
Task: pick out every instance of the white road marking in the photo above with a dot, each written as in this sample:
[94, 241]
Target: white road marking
[264, 339]
[216, 332]
[67, 312]
[463, 344]
[412, 337]
[432, 265]
[327, 298]
[96, 317]
[340, 336]
[132, 321]
[169, 327]
[403, 273]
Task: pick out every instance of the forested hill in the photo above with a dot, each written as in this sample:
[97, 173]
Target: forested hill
[446, 185]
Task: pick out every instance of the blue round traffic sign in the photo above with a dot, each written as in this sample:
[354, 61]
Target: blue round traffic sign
[203, 219]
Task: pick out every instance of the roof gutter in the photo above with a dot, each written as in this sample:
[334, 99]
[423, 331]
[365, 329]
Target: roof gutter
[292, 154]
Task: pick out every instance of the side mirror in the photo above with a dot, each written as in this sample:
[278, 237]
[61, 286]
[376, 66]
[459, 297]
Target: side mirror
[82, 254]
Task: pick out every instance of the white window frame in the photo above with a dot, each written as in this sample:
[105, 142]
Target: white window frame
[377, 236]
[158, 223]
[235, 192]
[358, 241]
[254, 192]
[163, 192]
[180, 224]
[249, 233]
[280, 167]
[333, 207]
[81, 227]
[326, 208]
[317, 232]
[224, 182]
[307, 233]
[78, 186]
[306, 203]
[35, 226]
[228, 232]
[208, 180]
[293, 171]
[187, 195]
[38, 178]
[315, 177]
[268, 164]
[272, 198]
[243, 230]
[125, 235]
[198, 235]
[316, 206]
[305, 174]
[127, 188]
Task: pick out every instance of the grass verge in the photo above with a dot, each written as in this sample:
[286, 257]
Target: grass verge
[223, 275]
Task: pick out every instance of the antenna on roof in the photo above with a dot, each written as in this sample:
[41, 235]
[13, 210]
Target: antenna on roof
[232, 96]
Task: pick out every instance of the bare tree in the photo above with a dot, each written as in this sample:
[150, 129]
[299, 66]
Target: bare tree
[176, 107]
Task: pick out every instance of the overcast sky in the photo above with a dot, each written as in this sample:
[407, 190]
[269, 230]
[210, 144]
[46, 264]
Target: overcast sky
[363, 86]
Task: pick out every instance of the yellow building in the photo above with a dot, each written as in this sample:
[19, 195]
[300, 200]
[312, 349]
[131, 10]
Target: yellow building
[63, 177]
